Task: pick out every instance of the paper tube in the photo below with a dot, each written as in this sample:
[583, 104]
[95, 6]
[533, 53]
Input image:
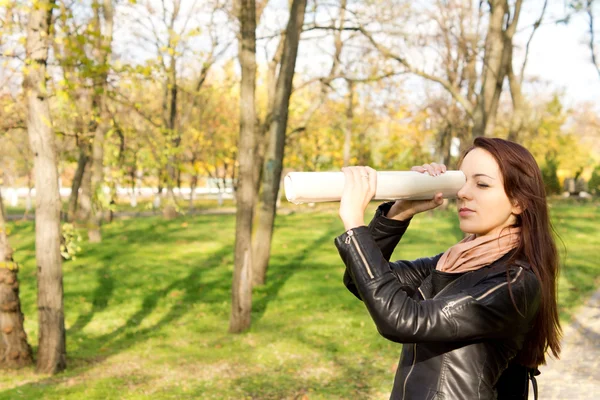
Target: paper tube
[315, 187]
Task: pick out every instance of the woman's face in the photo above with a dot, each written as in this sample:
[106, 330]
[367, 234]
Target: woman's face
[484, 208]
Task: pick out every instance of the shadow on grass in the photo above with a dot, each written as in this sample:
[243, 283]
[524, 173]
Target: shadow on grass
[348, 379]
[279, 274]
[105, 346]
[188, 285]
[101, 296]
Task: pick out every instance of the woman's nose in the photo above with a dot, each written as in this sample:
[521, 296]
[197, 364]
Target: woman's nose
[463, 192]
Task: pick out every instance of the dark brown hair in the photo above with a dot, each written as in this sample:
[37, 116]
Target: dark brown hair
[523, 183]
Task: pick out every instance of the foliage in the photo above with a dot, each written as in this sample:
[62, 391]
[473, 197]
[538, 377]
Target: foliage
[70, 243]
[594, 183]
[549, 176]
[548, 137]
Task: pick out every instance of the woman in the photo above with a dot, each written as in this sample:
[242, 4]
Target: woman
[478, 318]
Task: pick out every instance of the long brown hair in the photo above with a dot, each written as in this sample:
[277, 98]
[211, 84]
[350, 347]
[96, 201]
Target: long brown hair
[523, 183]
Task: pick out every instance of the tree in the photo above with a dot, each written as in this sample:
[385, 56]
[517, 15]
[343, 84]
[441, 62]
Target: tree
[477, 93]
[594, 183]
[103, 30]
[241, 293]
[549, 174]
[169, 32]
[273, 163]
[15, 352]
[52, 346]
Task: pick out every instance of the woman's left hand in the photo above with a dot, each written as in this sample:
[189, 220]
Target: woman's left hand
[359, 189]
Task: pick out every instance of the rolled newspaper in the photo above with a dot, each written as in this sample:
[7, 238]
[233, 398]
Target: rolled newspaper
[316, 187]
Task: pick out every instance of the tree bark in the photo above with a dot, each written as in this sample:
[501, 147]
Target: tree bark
[493, 71]
[277, 131]
[170, 105]
[85, 198]
[82, 161]
[348, 125]
[241, 293]
[15, 352]
[52, 348]
[102, 54]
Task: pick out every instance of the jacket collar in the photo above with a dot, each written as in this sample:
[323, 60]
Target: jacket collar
[468, 279]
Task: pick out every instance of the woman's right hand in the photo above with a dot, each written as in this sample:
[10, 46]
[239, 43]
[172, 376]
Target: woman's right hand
[405, 209]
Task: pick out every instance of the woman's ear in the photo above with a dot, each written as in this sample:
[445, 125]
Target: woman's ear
[516, 208]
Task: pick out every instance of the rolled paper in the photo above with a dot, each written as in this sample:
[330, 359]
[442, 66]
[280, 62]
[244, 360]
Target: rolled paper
[318, 187]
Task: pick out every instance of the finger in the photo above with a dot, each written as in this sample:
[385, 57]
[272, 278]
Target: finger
[372, 181]
[427, 168]
[363, 175]
[348, 176]
[357, 177]
[437, 168]
[418, 168]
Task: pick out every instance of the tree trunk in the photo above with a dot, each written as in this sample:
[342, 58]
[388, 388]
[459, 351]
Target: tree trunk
[170, 210]
[193, 185]
[77, 180]
[85, 199]
[97, 183]
[102, 54]
[497, 58]
[52, 348]
[15, 352]
[493, 73]
[241, 293]
[274, 157]
[348, 125]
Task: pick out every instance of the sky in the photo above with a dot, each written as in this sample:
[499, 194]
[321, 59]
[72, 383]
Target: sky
[560, 54]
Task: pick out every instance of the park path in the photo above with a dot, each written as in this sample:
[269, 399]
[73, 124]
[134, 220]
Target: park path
[576, 376]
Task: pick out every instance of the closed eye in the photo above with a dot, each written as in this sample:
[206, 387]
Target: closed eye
[482, 185]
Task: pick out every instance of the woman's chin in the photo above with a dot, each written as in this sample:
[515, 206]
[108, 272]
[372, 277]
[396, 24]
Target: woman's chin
[467, 229]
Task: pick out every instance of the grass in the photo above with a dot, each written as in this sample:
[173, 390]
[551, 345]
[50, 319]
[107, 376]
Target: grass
[147, 311]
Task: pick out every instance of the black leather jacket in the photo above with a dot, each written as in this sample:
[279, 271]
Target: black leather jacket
[458, 342]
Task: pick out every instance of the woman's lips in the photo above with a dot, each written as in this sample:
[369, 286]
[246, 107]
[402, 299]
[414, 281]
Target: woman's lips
[464, 212]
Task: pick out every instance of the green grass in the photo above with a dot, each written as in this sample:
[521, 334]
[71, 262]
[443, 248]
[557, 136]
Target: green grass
[147, 311]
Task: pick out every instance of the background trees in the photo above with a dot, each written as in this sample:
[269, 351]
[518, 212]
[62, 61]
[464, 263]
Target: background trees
[156, 93]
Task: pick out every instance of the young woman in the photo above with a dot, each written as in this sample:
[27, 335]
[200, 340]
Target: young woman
[478, 318]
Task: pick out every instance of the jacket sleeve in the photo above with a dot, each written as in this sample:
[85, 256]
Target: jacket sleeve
[484, 311]
[386, 233]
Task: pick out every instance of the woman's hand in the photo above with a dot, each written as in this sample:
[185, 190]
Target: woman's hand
[405, 209]
[359, 189]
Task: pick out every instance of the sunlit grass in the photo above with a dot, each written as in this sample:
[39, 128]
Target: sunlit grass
[147, 311]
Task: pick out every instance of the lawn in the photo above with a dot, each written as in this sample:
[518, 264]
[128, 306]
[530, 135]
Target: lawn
[147, 311]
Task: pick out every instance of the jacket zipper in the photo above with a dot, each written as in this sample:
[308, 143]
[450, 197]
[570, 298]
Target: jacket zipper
[411, 370]
[351, 238]
[490, 291]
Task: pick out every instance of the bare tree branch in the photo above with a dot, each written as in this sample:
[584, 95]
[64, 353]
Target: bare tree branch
[588, 10]
[512, 26]
[536, 25]
[453, 90]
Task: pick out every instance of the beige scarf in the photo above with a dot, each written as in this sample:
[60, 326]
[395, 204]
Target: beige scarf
[472, 253]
